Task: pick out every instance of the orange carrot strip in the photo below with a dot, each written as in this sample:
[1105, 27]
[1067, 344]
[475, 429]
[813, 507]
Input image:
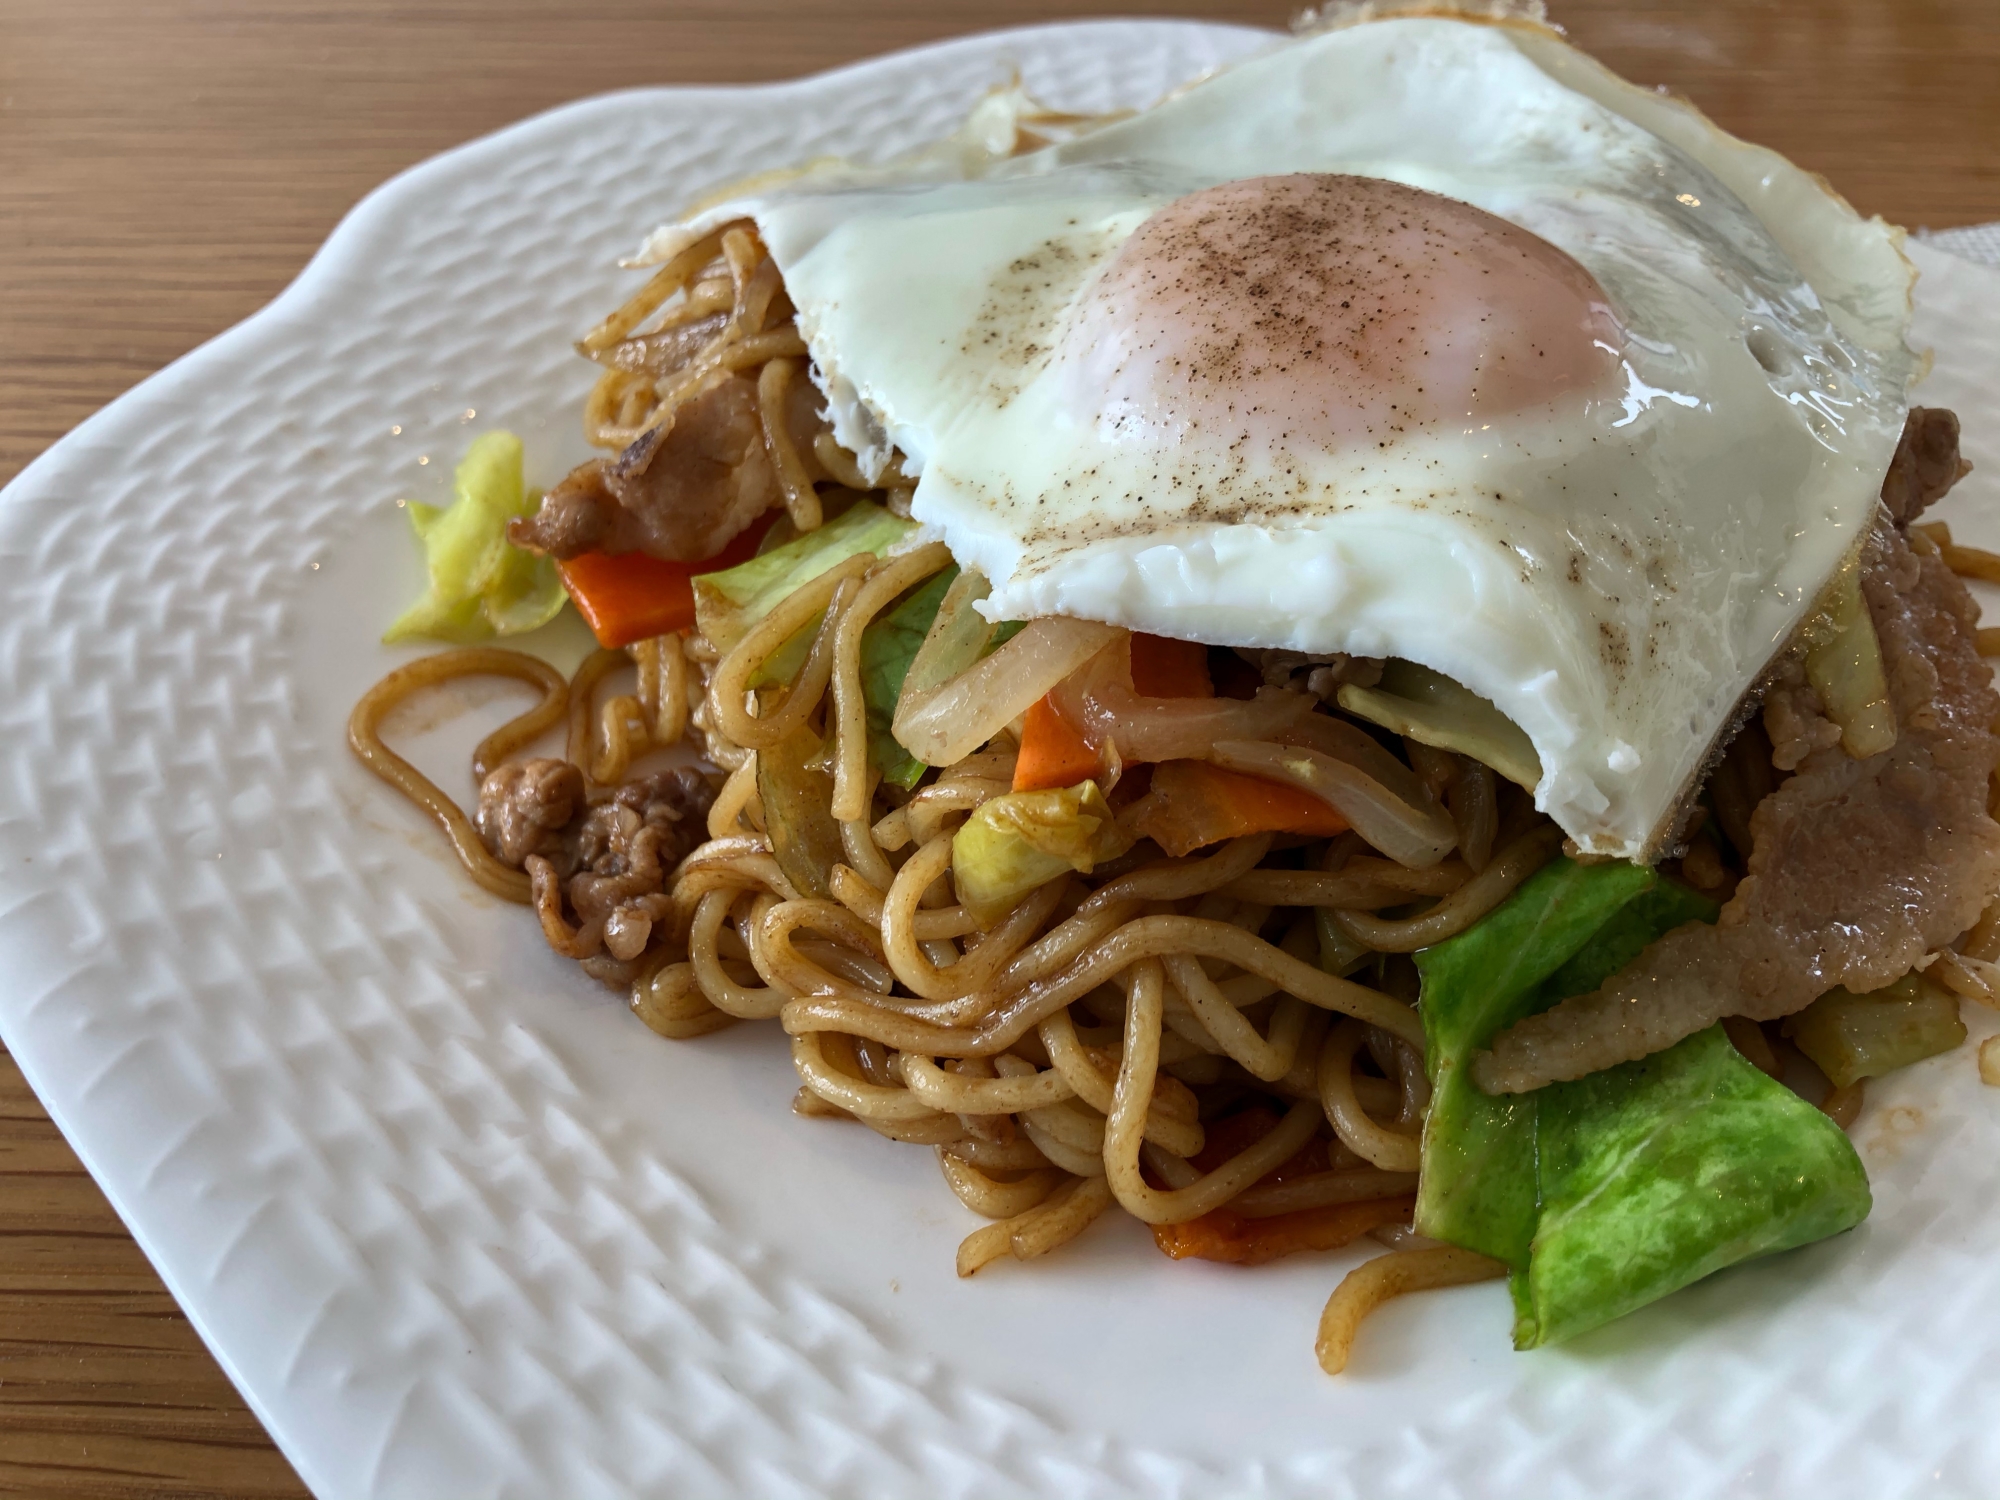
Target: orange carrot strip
[1052, 754]
[1226, 1236]
[629, 596]
[1192, 804]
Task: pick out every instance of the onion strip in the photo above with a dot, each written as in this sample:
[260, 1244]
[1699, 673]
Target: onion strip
[941, 728]
[1414, 833]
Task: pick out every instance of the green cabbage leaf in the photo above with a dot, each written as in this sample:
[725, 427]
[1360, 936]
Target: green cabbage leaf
[1612, 1191]
[481, 585]
[888, 646]
[728, 604]
[1016, 841]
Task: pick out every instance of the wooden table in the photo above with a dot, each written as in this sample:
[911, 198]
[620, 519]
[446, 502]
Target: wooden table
[166, 166]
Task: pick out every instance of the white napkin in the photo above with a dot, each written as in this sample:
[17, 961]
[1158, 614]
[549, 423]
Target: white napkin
[1958, 318]
[1980, 242]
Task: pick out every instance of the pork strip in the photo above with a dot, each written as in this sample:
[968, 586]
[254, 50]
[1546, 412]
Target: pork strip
[1858, 868]
[1926, 465]
[680, 491]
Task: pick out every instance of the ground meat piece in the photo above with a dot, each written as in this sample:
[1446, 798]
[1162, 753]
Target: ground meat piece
[609, 867]
[1926, 464]
[610, 870]
[681, 491]
[1321, 675]
[525, 805]
[1858, 868]
[673, 804]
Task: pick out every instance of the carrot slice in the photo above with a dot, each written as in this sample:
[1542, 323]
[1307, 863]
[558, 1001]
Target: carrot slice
[1192, 804]
[1224, 1235]
[629, 596]
[1053, 754]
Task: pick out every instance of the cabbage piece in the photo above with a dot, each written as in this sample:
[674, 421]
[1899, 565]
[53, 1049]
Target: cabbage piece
[1432, 709]
[1844, 665]
[1478, 1182]
[1852, 1036]
[1339, 954]
[957, 637]
[481, 585]
[888, 648]
[1656, 1173]
[783, 664]
[1614, 1190]
[936, 688]
[1017, 841]
[728, 604]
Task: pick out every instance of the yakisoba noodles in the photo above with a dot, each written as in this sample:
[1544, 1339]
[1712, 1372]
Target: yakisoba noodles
[1036, 1056]
[1111, 918]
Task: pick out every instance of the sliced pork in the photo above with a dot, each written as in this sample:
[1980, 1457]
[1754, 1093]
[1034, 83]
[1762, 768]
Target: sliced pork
[681, 491]
[1858, 868]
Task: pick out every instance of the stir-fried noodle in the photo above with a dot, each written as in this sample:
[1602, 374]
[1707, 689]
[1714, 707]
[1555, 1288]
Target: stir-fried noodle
[1221, 1044]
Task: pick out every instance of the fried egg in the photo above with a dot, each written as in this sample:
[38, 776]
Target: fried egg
[1423, 337]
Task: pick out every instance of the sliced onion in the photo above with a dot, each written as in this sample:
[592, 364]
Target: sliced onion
[1412, 831]
[1100, 701]
[943, 727]
[1431, 709]
[1343, 741]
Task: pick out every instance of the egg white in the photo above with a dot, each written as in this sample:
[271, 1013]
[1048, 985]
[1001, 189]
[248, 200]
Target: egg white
[1614, 574]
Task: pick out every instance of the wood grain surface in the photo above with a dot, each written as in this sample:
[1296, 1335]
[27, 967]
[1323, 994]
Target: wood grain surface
[166, 166]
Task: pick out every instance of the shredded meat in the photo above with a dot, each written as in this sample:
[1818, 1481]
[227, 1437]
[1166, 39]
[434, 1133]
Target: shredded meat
[681, 491]
[1926, 465]
[524, 807]
[1322, 676]
[1858, 868]
[658, 817]
[608, 867]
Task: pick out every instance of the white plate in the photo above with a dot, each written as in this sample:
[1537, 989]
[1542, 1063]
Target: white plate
[458, 1225]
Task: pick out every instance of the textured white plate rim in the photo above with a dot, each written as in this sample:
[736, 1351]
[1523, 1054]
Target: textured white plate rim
[346, 242]
[316, 284]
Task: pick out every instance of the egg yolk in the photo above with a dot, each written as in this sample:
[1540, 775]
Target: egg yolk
[1330, 309]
